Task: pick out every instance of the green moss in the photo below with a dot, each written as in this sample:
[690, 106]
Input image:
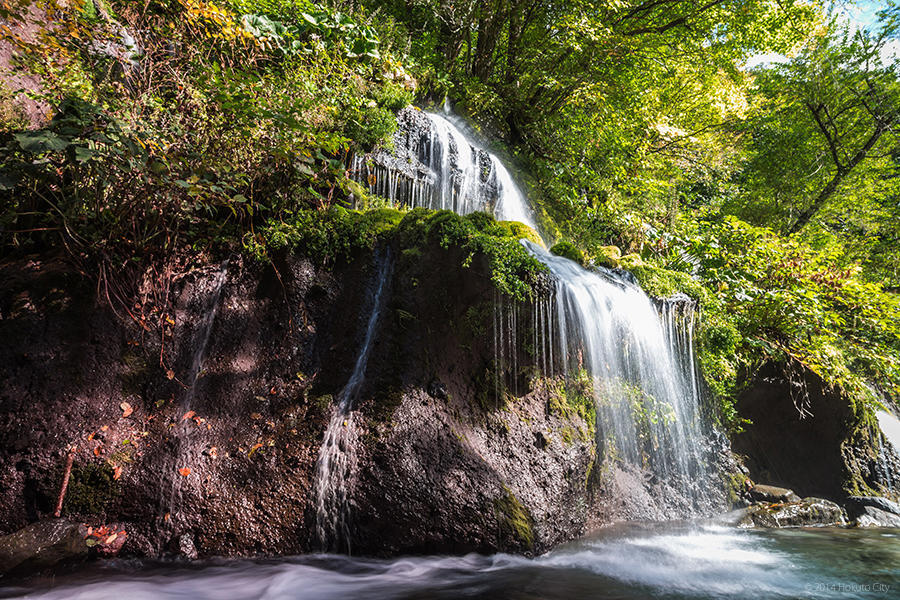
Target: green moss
[631, 261]
[568, 250]
[521, 231]
[608, 256]
[663, 283]
[323, 404]
[137, 370]
[12, 117]
[91, 489]
[514, 519]
[734, 485]
[386, 401]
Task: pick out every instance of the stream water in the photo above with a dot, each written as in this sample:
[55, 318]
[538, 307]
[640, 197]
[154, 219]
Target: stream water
[675, 560]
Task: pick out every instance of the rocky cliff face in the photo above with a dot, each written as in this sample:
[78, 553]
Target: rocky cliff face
[807, 436]
[204, 433]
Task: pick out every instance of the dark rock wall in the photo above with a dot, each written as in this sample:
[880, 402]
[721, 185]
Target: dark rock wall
[455, 457]
[806, 436]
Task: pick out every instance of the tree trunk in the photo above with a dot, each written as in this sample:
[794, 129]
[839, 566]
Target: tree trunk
[831, 187]
[489, 29]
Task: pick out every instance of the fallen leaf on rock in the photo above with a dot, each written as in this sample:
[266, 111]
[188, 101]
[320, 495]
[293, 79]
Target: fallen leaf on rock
[117, 472]
[170, 374]
[255, 416]
[111, 539]
[97, 451]
[188, 415]
[184, 471]
[126, 410]
[104, 428]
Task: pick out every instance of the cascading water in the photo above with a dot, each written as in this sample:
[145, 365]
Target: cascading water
[452, 172]
[337, 464]
[199, 342]
[640, 360]
[596, 325]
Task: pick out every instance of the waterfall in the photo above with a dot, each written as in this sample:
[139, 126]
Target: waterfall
[640, 360]
[337, 464]
[199, 342]
[889, 447]
[436, 166]
[595, 326]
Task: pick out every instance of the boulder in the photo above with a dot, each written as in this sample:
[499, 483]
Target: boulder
[857, 503]
[875, 517]
[42, 545]
[873, 511]
[770, 493]
[809, 512]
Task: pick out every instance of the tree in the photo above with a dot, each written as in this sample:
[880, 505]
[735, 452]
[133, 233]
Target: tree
[834, 111]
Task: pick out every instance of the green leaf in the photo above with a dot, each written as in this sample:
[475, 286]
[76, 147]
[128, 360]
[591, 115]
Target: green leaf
[41, 141]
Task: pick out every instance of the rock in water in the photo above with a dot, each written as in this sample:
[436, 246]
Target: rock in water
[770, 493]
[857, 503]
[809, 512]
[875, 517]
[41, 545]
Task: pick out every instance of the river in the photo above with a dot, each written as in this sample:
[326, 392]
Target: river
[671, 560]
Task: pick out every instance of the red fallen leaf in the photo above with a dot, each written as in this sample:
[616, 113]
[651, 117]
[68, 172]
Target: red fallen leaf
[170, 374]
[166, 517]
[97, 451]
[213, 452]
[188, 415]
[117, 472]
[126, 410]
[104, 428]
[91, 437]
[184, 471]
[273, 391]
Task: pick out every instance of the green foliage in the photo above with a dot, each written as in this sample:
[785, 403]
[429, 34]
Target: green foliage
[249, 121]
[338, 234]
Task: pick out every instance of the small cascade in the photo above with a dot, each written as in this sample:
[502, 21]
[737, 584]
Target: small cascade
[337, 465]
[435, 165]
[888, 451]
[640, 358]
[199, 343]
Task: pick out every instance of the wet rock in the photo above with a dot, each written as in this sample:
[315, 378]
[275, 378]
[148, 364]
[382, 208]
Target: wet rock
[438, 390]
[42, 545]
[770, 493]
[870, 516]
[809, 512]
[857, 503]
[873, 511]
[186, 546]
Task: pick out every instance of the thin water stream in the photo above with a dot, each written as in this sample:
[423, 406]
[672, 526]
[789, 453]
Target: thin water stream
[337, 464]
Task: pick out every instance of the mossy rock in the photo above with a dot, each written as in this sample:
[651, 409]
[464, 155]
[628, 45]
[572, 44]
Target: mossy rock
[92, 488]
[568, 250]
[609, 256]
[522, 231]
[514, 519]
[663, 283]
[630, 261]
